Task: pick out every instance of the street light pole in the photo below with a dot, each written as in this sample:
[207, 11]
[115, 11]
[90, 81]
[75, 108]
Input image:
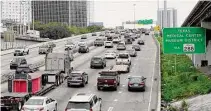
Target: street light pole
[134, 15]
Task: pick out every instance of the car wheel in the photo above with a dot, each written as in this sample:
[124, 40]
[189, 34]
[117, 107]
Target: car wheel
[55, 109]
[83, 84]
[87, 80]
[128, 89]
[28, 52]
[91, 67]
[98, 88]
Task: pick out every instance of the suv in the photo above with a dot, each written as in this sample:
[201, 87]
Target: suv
[98, 42]
[108, 44]
[83, 49]
[84, 37]
[98, 61]
[108, 79]
[84, 102]
[77, 78]
[17, 62]
[94, 34]
[121, 47]
[21, 51]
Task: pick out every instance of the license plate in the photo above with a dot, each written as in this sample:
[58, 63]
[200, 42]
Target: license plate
[135, 84]
[106, 85]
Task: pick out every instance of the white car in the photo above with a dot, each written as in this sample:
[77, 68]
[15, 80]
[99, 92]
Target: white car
[40, 103]
[21, 51]
[116, 39]
[123, 58]
[82, 43]
[70, 46]
[84, 102]
[109, 44]
[110, 54]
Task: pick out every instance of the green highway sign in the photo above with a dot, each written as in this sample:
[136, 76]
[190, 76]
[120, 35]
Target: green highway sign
[184, 40]
[146, 21]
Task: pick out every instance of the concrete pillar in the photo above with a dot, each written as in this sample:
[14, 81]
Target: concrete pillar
[206, 25]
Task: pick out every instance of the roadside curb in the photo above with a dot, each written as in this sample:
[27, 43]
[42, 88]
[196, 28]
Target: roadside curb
[159, 75]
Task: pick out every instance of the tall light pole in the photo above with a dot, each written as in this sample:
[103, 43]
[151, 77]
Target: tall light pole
[134, 15]
[165, 14]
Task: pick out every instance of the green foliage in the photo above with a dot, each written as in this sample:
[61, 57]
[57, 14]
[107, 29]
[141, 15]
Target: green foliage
[54, 30]
[187, 81]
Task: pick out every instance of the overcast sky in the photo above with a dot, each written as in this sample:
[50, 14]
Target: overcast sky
[114, 12]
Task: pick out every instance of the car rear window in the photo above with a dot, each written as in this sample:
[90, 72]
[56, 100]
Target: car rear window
[135, 80]
[96, 59]
[123, 56]
[78, 105]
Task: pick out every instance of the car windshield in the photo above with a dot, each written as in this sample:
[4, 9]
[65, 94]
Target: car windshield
[15, 60]
[116, 37]
[123, 56]
[75, 74]
[43, 46]
[22, 68]
[108, 42]
[78, 105]
[17, 50]
[34, 102]
[130, 51]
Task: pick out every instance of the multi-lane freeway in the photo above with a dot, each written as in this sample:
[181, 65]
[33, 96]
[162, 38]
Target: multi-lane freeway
[121, 100]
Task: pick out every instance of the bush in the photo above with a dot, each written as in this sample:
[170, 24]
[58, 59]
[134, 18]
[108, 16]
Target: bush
[187, 81]
[54, 30]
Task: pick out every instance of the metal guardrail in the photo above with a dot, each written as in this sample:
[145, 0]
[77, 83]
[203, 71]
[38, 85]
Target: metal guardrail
[39, 64]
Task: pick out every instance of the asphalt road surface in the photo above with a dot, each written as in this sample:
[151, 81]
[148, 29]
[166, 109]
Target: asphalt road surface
[120, 100]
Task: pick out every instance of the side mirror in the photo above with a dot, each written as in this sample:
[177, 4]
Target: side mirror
[144, 78]
[100, 73]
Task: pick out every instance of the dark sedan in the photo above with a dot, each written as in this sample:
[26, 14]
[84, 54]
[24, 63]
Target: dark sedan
[132, 52]
[140, 42]
[136, 47]
[136, 83]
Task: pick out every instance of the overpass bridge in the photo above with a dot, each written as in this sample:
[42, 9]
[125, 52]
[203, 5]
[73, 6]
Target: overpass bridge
[200, 16]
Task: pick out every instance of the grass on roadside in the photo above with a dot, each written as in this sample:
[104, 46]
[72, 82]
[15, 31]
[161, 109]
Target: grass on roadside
[187, 81]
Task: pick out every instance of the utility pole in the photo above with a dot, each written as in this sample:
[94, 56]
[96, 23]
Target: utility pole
[20, 19]
[134, 15]
[158, 12]
[165, 14]
[33, 10]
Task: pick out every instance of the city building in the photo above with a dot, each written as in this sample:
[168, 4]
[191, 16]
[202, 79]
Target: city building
[171, 17]
[16, 11]
[74, 13]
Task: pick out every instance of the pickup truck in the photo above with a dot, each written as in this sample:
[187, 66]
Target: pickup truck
[123, 58]
[21, 51]
[108, 79]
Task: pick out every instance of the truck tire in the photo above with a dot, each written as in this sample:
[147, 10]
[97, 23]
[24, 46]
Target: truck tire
[28, 52]
[87, 80]
[83, 85]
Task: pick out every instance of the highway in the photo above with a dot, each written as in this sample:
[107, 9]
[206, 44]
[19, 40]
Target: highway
[34, 57]
[120, 100]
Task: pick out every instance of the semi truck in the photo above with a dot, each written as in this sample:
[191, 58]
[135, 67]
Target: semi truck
[23, 85]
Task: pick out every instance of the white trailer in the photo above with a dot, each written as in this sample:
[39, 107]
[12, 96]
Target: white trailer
[33, 33]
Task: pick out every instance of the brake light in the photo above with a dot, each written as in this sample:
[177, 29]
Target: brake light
[65, 109]
[91, 109]
[130, 83]
[142, 83]
[115, 81]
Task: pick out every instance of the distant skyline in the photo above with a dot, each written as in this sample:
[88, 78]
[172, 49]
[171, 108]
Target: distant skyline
[114, 12]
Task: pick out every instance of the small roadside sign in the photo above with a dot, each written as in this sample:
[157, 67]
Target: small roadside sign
[184, 40]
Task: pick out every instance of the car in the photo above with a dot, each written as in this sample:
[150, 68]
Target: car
[123, 58]
[107, 35]
[136, 47]
[51, 44]
[40, 103]
[132, 52]
[26, 68]
[21, 51]
[110, 54]
[83, 49]
[102, 34]
[140, 42]
[108, 79]
[94, 34]
[84, 102]
[109, 44]
[109, 38]
[128, 41]
[116, 39]
[44, 49]
[121, 47]
[77, 78]
[136, 83]
[70, 46]
[133, 37]
[17, 61]
[98, 42]
[121, 42]
[97, 61]
[147, 33]
[84, 37]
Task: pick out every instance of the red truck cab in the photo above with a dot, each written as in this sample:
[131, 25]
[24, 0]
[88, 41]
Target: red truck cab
[108, 79]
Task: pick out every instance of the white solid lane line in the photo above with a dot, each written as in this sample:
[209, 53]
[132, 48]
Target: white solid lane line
[110, 108]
